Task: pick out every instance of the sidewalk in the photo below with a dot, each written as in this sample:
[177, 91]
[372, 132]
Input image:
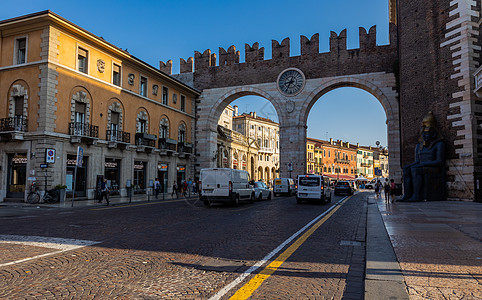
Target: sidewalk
[430, 250]
[114, 200]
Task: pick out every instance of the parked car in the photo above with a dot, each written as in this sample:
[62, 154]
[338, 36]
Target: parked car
[313, 187]
[284, 186]
[262, 191]
[343, 187]
[225, 185]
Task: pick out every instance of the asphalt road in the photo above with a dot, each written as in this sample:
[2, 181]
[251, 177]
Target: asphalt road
[183, 250]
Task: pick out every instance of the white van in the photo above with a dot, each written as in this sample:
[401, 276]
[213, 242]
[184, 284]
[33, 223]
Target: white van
[225, 185]
[313, 187]
[284, 186]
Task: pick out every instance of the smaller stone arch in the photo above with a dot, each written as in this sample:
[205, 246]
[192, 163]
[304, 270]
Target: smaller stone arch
[142, 121]
[164, 127]
[18, 89]
[260, 173]
[115, 107]
[182, 132]
[80, 95]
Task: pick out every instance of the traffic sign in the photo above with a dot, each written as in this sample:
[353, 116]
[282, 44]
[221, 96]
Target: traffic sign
[80, 156]
[49, 156]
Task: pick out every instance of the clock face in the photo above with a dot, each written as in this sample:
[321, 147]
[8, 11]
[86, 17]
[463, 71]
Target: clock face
[291, 82]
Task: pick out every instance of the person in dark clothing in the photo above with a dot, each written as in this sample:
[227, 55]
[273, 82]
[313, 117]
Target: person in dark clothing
[104, 192]
[386, 188]
[174, 189]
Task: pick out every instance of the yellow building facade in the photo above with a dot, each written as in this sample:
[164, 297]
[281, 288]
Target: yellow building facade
[62, 88]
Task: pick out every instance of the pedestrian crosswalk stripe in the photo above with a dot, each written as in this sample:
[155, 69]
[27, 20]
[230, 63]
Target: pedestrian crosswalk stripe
[60, 244]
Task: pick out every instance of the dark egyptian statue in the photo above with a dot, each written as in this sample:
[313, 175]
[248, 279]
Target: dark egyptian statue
[424, 180]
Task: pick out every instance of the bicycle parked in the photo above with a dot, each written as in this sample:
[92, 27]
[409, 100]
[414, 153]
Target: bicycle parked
[50, 196]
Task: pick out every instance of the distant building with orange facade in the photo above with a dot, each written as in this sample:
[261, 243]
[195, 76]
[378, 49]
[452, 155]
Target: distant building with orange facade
[335, 159]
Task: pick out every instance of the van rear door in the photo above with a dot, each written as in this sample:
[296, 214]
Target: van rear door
[309, 186]
[215, 182]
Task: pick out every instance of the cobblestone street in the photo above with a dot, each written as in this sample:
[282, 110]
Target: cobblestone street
[181, 250]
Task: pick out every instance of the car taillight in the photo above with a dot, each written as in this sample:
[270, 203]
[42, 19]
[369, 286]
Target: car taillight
[230, 186]
[321, 187]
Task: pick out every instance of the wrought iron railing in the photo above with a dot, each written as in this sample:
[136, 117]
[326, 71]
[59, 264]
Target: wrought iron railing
[167, 144]
[118, 136]
[145, 139]
[341, 160]
[18, 123]
[84, 129]
[184, 147]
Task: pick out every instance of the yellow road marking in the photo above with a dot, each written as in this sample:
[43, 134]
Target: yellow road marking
[138, 204]
[248, 289]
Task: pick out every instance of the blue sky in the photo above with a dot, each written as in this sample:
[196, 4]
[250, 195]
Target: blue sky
[161, 30]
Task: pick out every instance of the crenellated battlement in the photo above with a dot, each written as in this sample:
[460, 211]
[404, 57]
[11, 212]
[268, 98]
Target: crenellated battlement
[224, 69]
[280, 51]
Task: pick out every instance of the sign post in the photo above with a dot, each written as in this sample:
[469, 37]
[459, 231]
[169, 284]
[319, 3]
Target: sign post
[78, 163]
[290, 168]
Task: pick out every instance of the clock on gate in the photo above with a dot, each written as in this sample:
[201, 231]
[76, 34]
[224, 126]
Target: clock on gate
[291, 81]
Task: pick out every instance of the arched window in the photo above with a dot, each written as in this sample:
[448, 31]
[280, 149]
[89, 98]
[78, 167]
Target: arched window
[142, 122]
[18, 107]
[181, 136]
[164, 128]
[80, 113]
[114, 121]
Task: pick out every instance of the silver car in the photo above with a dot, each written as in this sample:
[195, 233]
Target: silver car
[262, 191]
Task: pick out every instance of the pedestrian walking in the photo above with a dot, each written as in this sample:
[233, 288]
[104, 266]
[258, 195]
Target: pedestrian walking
[194, 187]
[174, 189]
[157, 187]
[104, 192]
[184, 188]
[378, 187]
[189, 186]
[392, 190]
[386, 188]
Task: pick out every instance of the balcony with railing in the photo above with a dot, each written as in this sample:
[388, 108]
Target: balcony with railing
[232, 136]
[83, 132]
[118, 138]
[167, 146]
[366, 165]
[145, 142]
[266, 150]
[342, 161]
[13, 128]
[184, 149]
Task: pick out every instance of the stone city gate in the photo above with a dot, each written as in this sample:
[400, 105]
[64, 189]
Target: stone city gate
[310, 76]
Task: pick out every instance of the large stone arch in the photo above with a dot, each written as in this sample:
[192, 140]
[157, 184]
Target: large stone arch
[293, 113]
[384, 91]
[236, 93]
[212, 104]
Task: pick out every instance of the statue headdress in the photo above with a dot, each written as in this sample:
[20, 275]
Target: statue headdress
[429, 121]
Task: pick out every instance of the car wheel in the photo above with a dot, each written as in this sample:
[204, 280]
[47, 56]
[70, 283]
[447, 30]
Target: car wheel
[251, 199]
[236, 200]
[269, 196]
[260, 197]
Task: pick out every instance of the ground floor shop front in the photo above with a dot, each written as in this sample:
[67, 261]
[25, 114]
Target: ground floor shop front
[127, 169]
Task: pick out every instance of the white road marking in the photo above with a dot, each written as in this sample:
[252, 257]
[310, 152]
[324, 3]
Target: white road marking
[60, 244]
[256, 266]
